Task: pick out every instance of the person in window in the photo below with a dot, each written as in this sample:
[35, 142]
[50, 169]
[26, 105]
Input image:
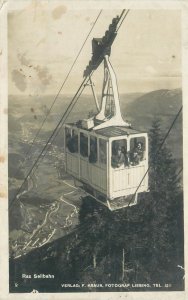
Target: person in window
[137, 154]
[102, 151]
[83, 145]
[93, 152]
[118, 158]
[68, 137]
[73, 143]
[126, 156]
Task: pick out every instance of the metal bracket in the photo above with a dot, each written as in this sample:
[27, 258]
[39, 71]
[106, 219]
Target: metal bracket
[110, 83]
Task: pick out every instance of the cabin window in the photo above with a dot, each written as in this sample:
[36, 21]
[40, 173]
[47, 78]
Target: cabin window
[93, 150]
[137, 150]
[83, 144]
[119, 154]
[67, 136]
[102, 152]
[71, 140]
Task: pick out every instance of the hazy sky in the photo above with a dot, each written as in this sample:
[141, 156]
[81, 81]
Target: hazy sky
[43, 43]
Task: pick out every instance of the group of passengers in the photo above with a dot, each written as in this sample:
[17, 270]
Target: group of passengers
[120, 156]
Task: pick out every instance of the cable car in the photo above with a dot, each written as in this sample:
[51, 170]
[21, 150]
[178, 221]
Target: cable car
[104, 153]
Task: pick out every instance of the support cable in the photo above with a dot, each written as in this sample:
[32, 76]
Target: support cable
[57, 128]
[63, 119]
[158, 150]
[65, 80]
[128, 10]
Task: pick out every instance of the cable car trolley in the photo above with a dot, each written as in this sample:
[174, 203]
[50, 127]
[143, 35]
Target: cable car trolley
[104, 153]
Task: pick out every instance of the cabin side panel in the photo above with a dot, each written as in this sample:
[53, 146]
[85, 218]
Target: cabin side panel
[84, 169]
[126, 180]
[98, 177]
[72, 164]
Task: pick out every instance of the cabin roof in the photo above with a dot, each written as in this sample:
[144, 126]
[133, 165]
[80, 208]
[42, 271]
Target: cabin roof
[114, 131]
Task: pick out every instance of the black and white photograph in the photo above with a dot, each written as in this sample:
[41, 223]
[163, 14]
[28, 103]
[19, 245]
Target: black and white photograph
[95, 149]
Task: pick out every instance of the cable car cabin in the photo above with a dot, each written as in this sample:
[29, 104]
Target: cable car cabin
[110, 162]
[104, 153]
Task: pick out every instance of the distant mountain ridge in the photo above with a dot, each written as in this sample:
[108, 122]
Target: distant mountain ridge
[157, 102]
[155, 99]
[162, 104]
[138, 108]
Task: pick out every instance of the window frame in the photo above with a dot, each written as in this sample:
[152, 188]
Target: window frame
[71, 129]
[88, 148]
[106, 148]
[97, 148]
[139, 138]
[116, 139]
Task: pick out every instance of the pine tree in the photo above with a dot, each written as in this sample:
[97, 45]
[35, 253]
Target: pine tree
[163, 168]
[165, 203]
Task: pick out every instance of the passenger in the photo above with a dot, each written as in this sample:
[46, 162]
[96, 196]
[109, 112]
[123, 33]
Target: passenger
[126, 155]
[83, 145]
[93, 152]
[68, 137]
[137, 154]
[102, 152]
[114, 148]
[118, 159]
[72, 143]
